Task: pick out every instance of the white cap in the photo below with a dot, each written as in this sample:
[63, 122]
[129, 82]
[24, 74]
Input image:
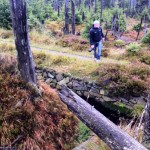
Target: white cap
[96, 22]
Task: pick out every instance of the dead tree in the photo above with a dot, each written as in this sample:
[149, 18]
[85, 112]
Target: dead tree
[140, 27]
[20, 28]
[111, 134]
[146, 135]
[66, 28]
[73, 17]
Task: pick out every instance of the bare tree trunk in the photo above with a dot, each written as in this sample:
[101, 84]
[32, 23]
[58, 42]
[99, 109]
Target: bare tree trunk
[20, 28]
[73, 17]
[139, 28]
[55, 5]
[111, 134]
[66, 29]
[58, 10]
[101, 12]
[95, 6]
[146, 135]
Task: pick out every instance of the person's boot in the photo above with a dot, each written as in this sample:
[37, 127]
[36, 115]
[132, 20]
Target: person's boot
[91, 49]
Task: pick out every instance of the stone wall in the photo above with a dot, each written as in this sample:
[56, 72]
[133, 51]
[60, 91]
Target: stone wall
[83, 88]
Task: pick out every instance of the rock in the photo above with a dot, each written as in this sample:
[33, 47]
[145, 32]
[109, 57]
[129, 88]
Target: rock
[59, 77]
[58, 87]
[102, 92]
[69, 84]
[79, 93]
[50, 75]
[64, 81]
[45, 75]
[54, 81]
[86, 94]
[80, 88]
[75, 83]
[107, 99]
[94, 94]
[49, 80]
[53, 85]
[40, 77]
[94, 90]
[38, 71]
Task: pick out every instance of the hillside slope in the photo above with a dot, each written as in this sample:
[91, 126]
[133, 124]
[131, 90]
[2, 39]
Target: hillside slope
[43, 123]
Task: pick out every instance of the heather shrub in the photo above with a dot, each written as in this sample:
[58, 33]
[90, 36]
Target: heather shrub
[42, 123]
[124, 81]
[145, 57]
[146, 38]
[37, 37]
[119, 43]
[133, 48]
[76, 43]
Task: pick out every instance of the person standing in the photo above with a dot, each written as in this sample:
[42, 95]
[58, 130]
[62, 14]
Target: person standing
[96, 39]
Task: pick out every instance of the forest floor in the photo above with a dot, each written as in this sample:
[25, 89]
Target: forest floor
[80, 63]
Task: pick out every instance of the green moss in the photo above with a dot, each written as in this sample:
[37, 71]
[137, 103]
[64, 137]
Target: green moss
[84, 133]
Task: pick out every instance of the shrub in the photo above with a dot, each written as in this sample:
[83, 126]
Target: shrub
[146, 38]
[145, 56]
[5, 19]
[133, 48]
[119, 43]
[125, 81]
[37, 37]
[76, 43]
[41, 123]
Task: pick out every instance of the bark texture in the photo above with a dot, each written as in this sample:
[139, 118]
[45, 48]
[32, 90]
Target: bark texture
[73, 17]
[98, 123]
[20, 28]
[66, 28]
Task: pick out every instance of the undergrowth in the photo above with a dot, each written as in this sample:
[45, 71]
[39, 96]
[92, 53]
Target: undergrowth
[43, 123]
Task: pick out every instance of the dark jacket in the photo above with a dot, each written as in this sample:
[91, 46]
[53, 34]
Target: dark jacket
[96, 34]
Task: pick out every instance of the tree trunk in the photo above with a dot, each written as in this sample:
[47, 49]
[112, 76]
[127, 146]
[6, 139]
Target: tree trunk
[83, 16]
[20, 28]
[73, 17]
[55, 5]
[58, 10]
[140, 28]
[95, 6]
[146, 135]
[111, 134]
[66, 29]
[101, 11]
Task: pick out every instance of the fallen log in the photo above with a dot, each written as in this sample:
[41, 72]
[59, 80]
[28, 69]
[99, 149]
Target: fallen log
[106, 130]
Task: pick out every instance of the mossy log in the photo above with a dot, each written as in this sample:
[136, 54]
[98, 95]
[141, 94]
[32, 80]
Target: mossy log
[111, 134]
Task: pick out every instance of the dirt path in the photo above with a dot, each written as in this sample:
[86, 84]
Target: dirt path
[104, 60]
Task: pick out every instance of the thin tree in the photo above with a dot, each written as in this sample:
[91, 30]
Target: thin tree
[66, 28]
[20, 28]
[73, 17]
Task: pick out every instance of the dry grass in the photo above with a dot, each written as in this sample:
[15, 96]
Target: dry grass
[40, 38]
[7, 47]
[5, 34]
[43, 123]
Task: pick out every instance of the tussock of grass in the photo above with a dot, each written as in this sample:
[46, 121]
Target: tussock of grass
[40, 38]
[42, 124]
[5, 34]
[130, 80]
[6, 47]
